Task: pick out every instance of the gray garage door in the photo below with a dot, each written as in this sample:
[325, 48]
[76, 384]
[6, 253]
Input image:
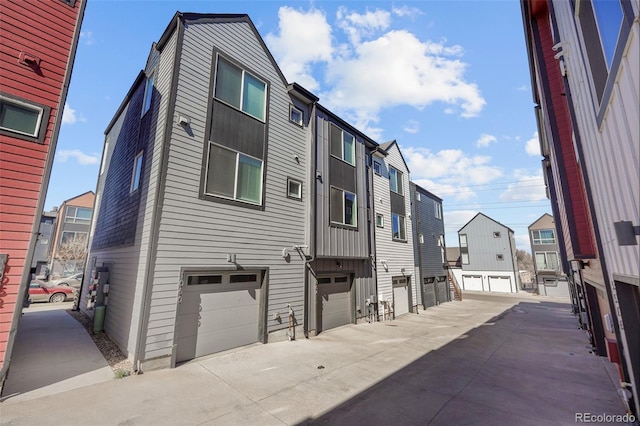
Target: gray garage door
[217, 312]
[442, 289]
[428, 293]
[400, 295]
[334, 302]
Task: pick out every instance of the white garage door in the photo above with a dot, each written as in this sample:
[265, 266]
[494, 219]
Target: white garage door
[472, 282]
[334, 302]
[217, 312]
[400, 296]
[500, 284]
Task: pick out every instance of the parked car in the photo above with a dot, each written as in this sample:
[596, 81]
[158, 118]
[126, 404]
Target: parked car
[74, 281]
[39, 291]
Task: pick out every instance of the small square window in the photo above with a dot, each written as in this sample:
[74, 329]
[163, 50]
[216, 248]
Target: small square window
[377, 168]
[295, 115]
[294, 189]
[379, 220]
[499, 256]
[496, 234]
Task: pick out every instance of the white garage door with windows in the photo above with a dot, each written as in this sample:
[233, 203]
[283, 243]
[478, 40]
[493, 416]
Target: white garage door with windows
[400, 296]
[500, 284]
[216, 312]
[334, 302]
[472, 282]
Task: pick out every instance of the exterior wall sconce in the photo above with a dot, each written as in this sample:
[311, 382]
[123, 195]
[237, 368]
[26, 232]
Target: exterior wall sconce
[385, 265]
[626, 233]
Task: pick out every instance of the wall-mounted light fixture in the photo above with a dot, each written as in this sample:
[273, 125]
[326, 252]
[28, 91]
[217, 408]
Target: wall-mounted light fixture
[626, 233]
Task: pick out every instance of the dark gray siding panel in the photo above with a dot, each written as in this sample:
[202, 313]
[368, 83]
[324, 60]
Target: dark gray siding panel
[431, 228]
[342, 175]
[238, 131]
[398, 204]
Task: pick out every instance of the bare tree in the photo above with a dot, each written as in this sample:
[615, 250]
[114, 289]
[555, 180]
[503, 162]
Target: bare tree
[72, 253]
[525, 261]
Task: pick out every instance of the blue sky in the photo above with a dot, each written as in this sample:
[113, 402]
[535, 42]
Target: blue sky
[449, 80]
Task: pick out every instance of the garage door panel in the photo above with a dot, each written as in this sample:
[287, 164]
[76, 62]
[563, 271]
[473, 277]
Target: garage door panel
[472, 282]
[500, 284]
[335, 305]
[429, 294]
[401, 300]
[443, 290]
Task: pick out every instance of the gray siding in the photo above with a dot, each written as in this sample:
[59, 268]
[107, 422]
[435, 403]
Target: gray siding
[200, 233]
[484, 247]
[333, 241]
[426, 223]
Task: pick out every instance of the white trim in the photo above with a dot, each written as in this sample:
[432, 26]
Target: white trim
[24, 105]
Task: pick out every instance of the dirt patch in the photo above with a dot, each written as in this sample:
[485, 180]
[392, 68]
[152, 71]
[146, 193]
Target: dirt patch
[118, 362]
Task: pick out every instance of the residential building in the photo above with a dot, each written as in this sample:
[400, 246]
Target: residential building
[395, 266]
[42, 250]
[429, 247]
[202, 197]
[584, 58]
[38, 42]
[341, 281]
[550, 279]
[70, 235]
[488, 256]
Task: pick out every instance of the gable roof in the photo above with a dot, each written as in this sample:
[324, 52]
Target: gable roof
[493, 220]
[387, 146]
[424, 191]
[540, 218]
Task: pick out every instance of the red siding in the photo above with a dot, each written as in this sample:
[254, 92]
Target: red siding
[582, 237]
[45, 29]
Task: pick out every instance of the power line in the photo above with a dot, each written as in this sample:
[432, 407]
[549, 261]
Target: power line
[483, 203]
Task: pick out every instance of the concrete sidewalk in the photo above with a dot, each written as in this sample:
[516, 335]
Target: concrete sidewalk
[491, 359]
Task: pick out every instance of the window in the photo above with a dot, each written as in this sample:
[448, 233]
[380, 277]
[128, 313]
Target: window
[500, 257]
[294, 189]
[398, 227]
[496, 234]
[438, 210]
[343, 145]
[104, 155]
[547, 261]
[69, 237]
[295, 115]
[543, 236]
[137, 172]
[148, 94]
[233, 175]
[608, 16]
[343, 207]
[421, 238]
[204, 279]
[463, 240]
[395, 176]
[379, 220]
[465, 258]
[377, 168]
[238, 88]
[418, 196]
[78, 215]
[22, 119]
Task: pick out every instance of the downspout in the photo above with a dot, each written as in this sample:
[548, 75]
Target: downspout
[312, 218]
[22, 288]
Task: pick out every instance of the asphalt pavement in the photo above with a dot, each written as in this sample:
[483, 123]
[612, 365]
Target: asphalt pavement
[488, 360]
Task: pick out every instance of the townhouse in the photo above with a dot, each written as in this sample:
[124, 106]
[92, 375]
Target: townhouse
[550, 278]
[38, 42]
[584, 59]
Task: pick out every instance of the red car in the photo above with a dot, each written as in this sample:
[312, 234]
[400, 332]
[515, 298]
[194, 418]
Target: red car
[39, 292]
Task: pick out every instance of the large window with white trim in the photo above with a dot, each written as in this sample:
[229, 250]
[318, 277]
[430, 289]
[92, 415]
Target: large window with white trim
[398, 227]
[240, 89]
[343, 207]
[80, 215]
[233, 175]
[395, 178]
[22, 119]
[547, 261]
[543, 236]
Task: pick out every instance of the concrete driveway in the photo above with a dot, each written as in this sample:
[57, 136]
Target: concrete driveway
[490, 359]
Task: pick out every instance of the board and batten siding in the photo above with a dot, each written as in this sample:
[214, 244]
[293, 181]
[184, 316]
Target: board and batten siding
[128, 264]
[484, 247]
[611, 150]
[397, 254]
[200, 233]
[427, 224]
[335, 241]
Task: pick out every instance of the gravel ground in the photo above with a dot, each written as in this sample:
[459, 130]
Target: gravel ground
[118, 362]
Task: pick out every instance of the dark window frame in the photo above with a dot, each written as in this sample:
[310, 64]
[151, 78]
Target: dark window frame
[43, 123]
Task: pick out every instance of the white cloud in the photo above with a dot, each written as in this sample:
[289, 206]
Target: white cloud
[450, 172]
[69, 115]
[304, 38]
[522, 89]
[416, 73]
[82, 158]
[86, 37]
[522, 241]
[485, 140]
[405, 10]
[527, 188]
[412, 127]
[532, 146]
